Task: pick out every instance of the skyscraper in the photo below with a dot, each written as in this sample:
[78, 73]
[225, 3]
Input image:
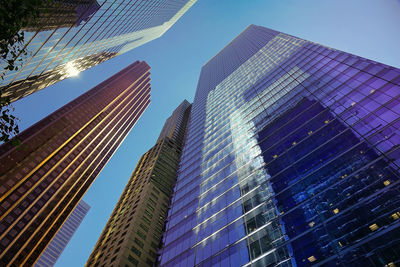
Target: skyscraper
[133, 233]
[63, 236]
[73, 35]
[43, 180]
[175, 126]
[291, 159]
[63, 13]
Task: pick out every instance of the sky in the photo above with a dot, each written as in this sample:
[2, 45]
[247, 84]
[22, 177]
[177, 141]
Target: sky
[367, 28]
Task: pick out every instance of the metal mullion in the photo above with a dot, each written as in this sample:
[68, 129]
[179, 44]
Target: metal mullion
[88, 180]
[308, 154]
[107, 28]
[45, 43]
[327, 220]
[372, 146]
[305, 177]
[220, 182]
[321, 88]
[287, 73]
[59, 162]
[65, 113]
[154, 12]
[25, 46]
[93, 140]
[359, 243]
[65, 46]
[293, 131]
[23, 67]
[259, 85]
[345, 122]
[81, 45]
[92, 35]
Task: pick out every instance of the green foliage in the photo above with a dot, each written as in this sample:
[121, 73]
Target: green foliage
[14, 15]
[8, 125]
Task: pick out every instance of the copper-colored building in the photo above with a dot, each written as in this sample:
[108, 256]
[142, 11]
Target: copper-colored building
[133, 234]
[43, 180]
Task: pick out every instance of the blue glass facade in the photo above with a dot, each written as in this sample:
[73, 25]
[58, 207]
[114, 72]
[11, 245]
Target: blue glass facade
[291, 159]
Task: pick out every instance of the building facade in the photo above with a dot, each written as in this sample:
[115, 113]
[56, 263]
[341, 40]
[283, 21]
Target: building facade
[63, 14]
[63, 236]
[175, 126]
[73, 35]
[133, 233]
[44, 178]
[291, 159]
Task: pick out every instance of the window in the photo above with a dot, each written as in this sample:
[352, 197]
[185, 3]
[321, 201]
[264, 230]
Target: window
[154, 196]
[152, 202]
[311, 259]
[143, 236]
[136, 251]
[146, 220]
[148, 213]
[155, 190]
[373, 227]
[255, 249]
[145, 228]
[133, 260]
[150, 207]
[138, 242]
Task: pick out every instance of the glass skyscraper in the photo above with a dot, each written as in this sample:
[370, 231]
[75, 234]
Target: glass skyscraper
[59, 158]
[291, 159]
[73, 35]
[53, 251]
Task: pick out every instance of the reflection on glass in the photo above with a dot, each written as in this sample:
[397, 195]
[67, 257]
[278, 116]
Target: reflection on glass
[72, 30]
[71, 70]
[291, 159]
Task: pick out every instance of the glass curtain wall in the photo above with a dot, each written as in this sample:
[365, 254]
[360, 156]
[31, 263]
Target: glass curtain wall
[292, 159]
[73, 35]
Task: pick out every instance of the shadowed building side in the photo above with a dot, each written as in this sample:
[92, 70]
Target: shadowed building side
[133, 233]
[175, 126]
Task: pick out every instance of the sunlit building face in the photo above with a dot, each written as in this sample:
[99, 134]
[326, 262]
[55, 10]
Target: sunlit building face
[72, 36]
[59, 158]
[291, 159]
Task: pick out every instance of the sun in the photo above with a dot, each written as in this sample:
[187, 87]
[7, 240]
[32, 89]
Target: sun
[71, 70]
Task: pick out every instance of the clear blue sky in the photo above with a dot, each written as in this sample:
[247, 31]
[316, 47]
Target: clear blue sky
[368, 28]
